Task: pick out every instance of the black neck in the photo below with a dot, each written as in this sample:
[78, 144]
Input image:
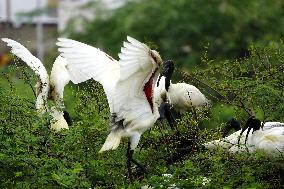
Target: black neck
[168, 72]
[168, 82]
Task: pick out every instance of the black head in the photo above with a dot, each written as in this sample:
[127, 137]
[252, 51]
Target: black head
[167, 72]
[253, 124]
[67, 117]
[231, 124]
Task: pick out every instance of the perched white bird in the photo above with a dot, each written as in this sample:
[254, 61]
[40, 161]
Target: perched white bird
[181, 96]
[128, 84]
[176, 98]
[46, 88]
[269, 138]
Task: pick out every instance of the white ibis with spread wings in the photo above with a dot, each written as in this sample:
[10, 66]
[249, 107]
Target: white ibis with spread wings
[128, 84]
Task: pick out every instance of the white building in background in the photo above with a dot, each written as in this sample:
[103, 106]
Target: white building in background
[17, 11]
[36, 23]
[52, 11]
[82, 10]
[32, 21]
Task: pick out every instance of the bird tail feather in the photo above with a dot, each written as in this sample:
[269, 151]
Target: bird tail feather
[112, 141]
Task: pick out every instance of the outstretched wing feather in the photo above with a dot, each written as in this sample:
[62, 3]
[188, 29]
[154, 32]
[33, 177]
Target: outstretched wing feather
[23, 53]
[136, 67]
[86, 62]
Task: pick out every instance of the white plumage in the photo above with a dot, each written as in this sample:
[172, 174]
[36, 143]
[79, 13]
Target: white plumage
[46, 88]
[181, 96]
[128, 84]
[270, 139]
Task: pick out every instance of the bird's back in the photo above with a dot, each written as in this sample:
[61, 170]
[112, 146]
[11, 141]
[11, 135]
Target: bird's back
[269, 139]
[184, 96]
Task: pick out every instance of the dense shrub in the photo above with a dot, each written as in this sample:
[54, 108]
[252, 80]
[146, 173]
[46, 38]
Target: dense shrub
[32, 156]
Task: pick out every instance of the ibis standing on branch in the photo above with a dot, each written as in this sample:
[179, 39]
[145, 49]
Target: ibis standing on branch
[46, 88]
[128, 84]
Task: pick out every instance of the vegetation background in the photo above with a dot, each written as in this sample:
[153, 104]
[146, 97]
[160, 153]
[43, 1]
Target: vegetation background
[231, 49]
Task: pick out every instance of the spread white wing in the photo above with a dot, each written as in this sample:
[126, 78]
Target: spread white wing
[134, 57]
[136, 67]
[123, 81]
[23, 53]
[36, 65]
[86, 62]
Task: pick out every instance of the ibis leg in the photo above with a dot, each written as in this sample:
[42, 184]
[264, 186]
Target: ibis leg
[169, 115]
[129, 160]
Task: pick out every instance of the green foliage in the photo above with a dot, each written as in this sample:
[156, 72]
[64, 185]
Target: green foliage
[182, 28]
[32, 156]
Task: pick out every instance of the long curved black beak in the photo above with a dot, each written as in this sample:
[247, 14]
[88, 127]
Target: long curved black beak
[166, 112]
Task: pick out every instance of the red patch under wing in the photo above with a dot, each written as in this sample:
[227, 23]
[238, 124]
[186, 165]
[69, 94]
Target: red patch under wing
[148, 90]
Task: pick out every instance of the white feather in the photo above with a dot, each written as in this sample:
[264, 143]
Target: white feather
[123, 83]
[59, 77]
[181, 96]
[112, 141]
[36, 65]
[58, 122]
[270, 139]
[89, 62]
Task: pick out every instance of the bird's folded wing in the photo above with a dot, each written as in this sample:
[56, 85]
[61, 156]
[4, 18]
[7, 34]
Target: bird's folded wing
[34, 63]
[226, 142]
[195, 96]
[136, 67]
[85, 62]
[269, 125]
[160, 92]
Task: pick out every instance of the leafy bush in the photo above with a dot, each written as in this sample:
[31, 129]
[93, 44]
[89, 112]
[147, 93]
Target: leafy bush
[32, 156]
